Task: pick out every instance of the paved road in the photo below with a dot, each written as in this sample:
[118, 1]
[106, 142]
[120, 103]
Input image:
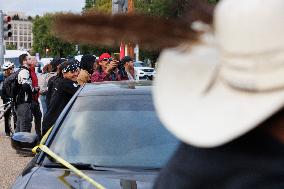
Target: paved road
[11, 164]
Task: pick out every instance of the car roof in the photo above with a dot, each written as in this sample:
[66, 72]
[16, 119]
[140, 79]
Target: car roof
[113, 88]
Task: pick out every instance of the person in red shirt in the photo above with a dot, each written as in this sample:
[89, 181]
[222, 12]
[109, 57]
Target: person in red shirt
[107, 69]
[35, 107]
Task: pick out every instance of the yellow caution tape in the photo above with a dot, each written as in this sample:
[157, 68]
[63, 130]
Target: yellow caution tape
[42, 141]
[64, 162]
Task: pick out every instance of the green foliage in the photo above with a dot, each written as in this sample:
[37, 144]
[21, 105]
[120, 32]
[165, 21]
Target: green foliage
[16, 17]
[161, 8]
[152, 7]
[213, 1]
[30, 18]
[97, 50]
[11, 47]
[43, 38]
[88, 5]
[104, 6]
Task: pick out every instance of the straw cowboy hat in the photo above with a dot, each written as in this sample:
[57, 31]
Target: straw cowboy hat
[231, 81]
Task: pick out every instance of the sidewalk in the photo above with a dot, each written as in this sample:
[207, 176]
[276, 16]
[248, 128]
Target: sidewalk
[11, 164]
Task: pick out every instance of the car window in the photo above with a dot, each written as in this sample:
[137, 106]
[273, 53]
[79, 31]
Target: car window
[120, 131]
[14, 60]
[139, 64]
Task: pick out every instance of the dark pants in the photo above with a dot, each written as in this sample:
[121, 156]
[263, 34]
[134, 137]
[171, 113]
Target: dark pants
[24, 117]
[35, 108]
[9, 112]
[7, 120]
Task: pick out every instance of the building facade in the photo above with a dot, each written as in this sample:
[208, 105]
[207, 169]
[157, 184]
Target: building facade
[22, 36]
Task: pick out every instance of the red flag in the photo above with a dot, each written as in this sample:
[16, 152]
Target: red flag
[122, 50]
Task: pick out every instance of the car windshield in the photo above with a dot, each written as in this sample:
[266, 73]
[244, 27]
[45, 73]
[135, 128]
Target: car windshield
[114, 131]
[14, 60]
[139, 64]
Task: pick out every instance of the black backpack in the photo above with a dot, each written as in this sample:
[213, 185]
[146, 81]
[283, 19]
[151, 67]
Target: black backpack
[11, 85]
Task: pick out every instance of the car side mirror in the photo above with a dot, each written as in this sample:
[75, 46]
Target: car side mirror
[23, 142]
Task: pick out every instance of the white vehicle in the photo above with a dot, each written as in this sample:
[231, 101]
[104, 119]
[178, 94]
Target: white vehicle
[13, 56]
[143, 72]
[46, 60]
[79, 57]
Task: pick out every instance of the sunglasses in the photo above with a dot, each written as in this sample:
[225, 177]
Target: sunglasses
[10, 68]
[107, 59]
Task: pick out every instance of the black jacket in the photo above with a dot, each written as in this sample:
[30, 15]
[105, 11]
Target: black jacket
[4, 96]
[255, 160]
[63, 92]
[51, 85]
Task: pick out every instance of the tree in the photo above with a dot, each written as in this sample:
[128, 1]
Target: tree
[99, 6]
[104, 6]
[11, 47]
[88, 5]
[30, 18]
[16, 17]
[43, 38]
[213, 1]
[152, 7]
[162, 8]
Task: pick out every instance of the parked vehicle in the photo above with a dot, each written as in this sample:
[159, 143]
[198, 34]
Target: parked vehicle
[46, 60]
[39, 67]
[13, 56]
[110, 131]
[143, 72]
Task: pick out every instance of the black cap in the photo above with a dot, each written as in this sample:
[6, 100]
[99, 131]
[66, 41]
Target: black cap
[126, 59]
[87, 62]
[69, 66]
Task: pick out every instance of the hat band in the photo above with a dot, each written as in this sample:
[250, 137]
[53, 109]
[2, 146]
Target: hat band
[259, 72]
[69, 68]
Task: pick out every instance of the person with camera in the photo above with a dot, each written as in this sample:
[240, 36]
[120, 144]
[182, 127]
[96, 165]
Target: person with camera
[128, 67]
[107, 69]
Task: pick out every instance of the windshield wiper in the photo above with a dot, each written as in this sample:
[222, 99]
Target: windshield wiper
[81, 166]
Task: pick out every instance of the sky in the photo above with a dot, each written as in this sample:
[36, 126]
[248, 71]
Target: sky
[40, 7]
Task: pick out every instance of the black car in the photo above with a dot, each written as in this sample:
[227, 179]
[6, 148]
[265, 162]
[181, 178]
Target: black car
[111, 132]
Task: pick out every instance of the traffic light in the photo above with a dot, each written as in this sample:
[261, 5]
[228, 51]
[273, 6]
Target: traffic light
[7, 26]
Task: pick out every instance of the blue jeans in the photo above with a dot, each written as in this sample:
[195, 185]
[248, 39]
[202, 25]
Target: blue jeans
[42, 99]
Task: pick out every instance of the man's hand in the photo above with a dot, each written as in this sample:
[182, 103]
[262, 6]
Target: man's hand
[111, 66]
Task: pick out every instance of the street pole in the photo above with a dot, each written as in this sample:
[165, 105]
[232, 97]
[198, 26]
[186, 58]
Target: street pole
[1, 39]
[130, 46]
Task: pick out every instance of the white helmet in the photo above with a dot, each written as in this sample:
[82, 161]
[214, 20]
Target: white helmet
[7, 65]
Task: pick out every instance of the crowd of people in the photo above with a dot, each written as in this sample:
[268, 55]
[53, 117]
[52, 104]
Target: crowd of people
[42, 97]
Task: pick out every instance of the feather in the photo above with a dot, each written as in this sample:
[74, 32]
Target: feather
[147, 31]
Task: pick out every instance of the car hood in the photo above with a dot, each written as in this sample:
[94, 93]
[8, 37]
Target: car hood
[110, 179]
[140, 68]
